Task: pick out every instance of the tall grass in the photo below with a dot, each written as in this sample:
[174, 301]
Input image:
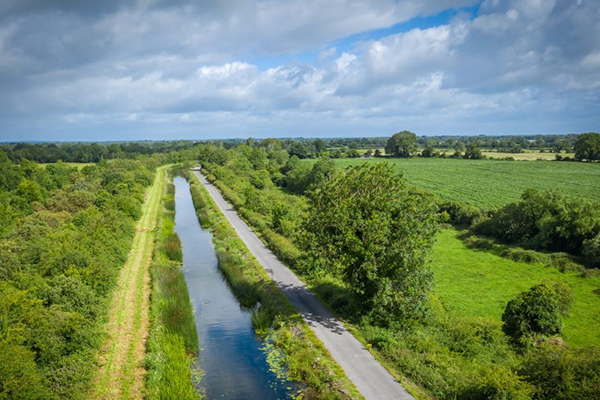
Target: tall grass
[231, 267]
[173, 340]
[172, 247]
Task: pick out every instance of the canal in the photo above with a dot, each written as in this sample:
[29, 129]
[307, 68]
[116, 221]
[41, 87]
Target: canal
[231, 356]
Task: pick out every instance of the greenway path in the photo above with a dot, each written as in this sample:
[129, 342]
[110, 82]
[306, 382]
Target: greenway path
[121, 372]
[372, 380]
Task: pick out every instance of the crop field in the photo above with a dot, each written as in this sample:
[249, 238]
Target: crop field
[527, 155]
[478, 283]
[490, 183]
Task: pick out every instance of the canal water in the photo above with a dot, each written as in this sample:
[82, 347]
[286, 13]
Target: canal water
[231, 356]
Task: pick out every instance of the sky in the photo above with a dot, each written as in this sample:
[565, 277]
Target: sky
[108, 70]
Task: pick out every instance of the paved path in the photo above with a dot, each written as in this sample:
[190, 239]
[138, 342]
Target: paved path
[371, 379]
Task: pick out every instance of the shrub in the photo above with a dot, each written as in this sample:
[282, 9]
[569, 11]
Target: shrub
[537, 311]
[546, 221]
[527, 256]
[461, 214]
[562, 373]
[591, 251]
[283, 247]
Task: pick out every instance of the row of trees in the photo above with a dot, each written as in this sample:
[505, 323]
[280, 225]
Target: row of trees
[405, 143]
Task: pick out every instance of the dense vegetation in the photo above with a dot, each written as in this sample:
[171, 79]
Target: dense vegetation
[448, 354]
[64, 235]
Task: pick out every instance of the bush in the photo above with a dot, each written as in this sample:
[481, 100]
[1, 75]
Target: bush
[527, 256]
[537, 311]
[461, 214]
[591, 251]
[562, 373]
[547, 221]
[283, 247]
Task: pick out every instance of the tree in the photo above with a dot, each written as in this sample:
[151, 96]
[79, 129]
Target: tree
[587, 147]
[538, 311]
[472, 152]
[401, 144]
[428, 151]
[366, 226]
[320, 146]
[321, 170]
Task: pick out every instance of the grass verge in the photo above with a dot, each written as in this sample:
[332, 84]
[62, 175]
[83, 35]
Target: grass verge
[305, 358]
[173, 338]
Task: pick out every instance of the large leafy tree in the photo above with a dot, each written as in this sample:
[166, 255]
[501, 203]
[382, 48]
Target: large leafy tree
[587, 147]
[366, 226]
[401, 144]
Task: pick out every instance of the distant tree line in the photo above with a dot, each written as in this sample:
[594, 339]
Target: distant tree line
[88, 152]
[401, 144]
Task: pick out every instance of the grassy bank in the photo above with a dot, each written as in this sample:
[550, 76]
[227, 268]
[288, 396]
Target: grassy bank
[491, 183]
[173, 341]
[296, 349]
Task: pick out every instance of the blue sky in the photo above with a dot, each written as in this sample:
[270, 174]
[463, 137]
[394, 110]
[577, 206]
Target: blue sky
[158, 69]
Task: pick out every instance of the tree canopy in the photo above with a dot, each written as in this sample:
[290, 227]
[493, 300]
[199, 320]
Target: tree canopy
[401, 144]
[366, 226]
[587, 147]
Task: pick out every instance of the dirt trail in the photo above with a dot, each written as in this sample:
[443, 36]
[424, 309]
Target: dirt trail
[121, 373]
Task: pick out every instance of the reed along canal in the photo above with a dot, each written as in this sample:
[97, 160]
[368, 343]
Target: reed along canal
[231, 355]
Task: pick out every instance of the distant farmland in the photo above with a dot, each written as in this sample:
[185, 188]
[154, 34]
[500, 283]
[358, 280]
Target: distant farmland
[489, 183]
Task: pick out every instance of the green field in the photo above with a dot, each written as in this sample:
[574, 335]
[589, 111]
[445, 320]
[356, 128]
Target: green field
[489, 183]
[70, 164]
[478, 283]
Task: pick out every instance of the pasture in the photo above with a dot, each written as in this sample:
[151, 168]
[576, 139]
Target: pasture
[479, 284]
[492, 183]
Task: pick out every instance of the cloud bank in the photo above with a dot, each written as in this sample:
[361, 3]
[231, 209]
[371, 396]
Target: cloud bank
[153, 69]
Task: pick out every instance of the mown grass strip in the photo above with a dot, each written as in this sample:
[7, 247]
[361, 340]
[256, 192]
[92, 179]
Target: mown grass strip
[173, 341]
[303, 356]
[121, 372]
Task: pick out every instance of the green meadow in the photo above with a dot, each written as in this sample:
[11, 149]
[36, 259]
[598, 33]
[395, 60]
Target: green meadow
[478, 283]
